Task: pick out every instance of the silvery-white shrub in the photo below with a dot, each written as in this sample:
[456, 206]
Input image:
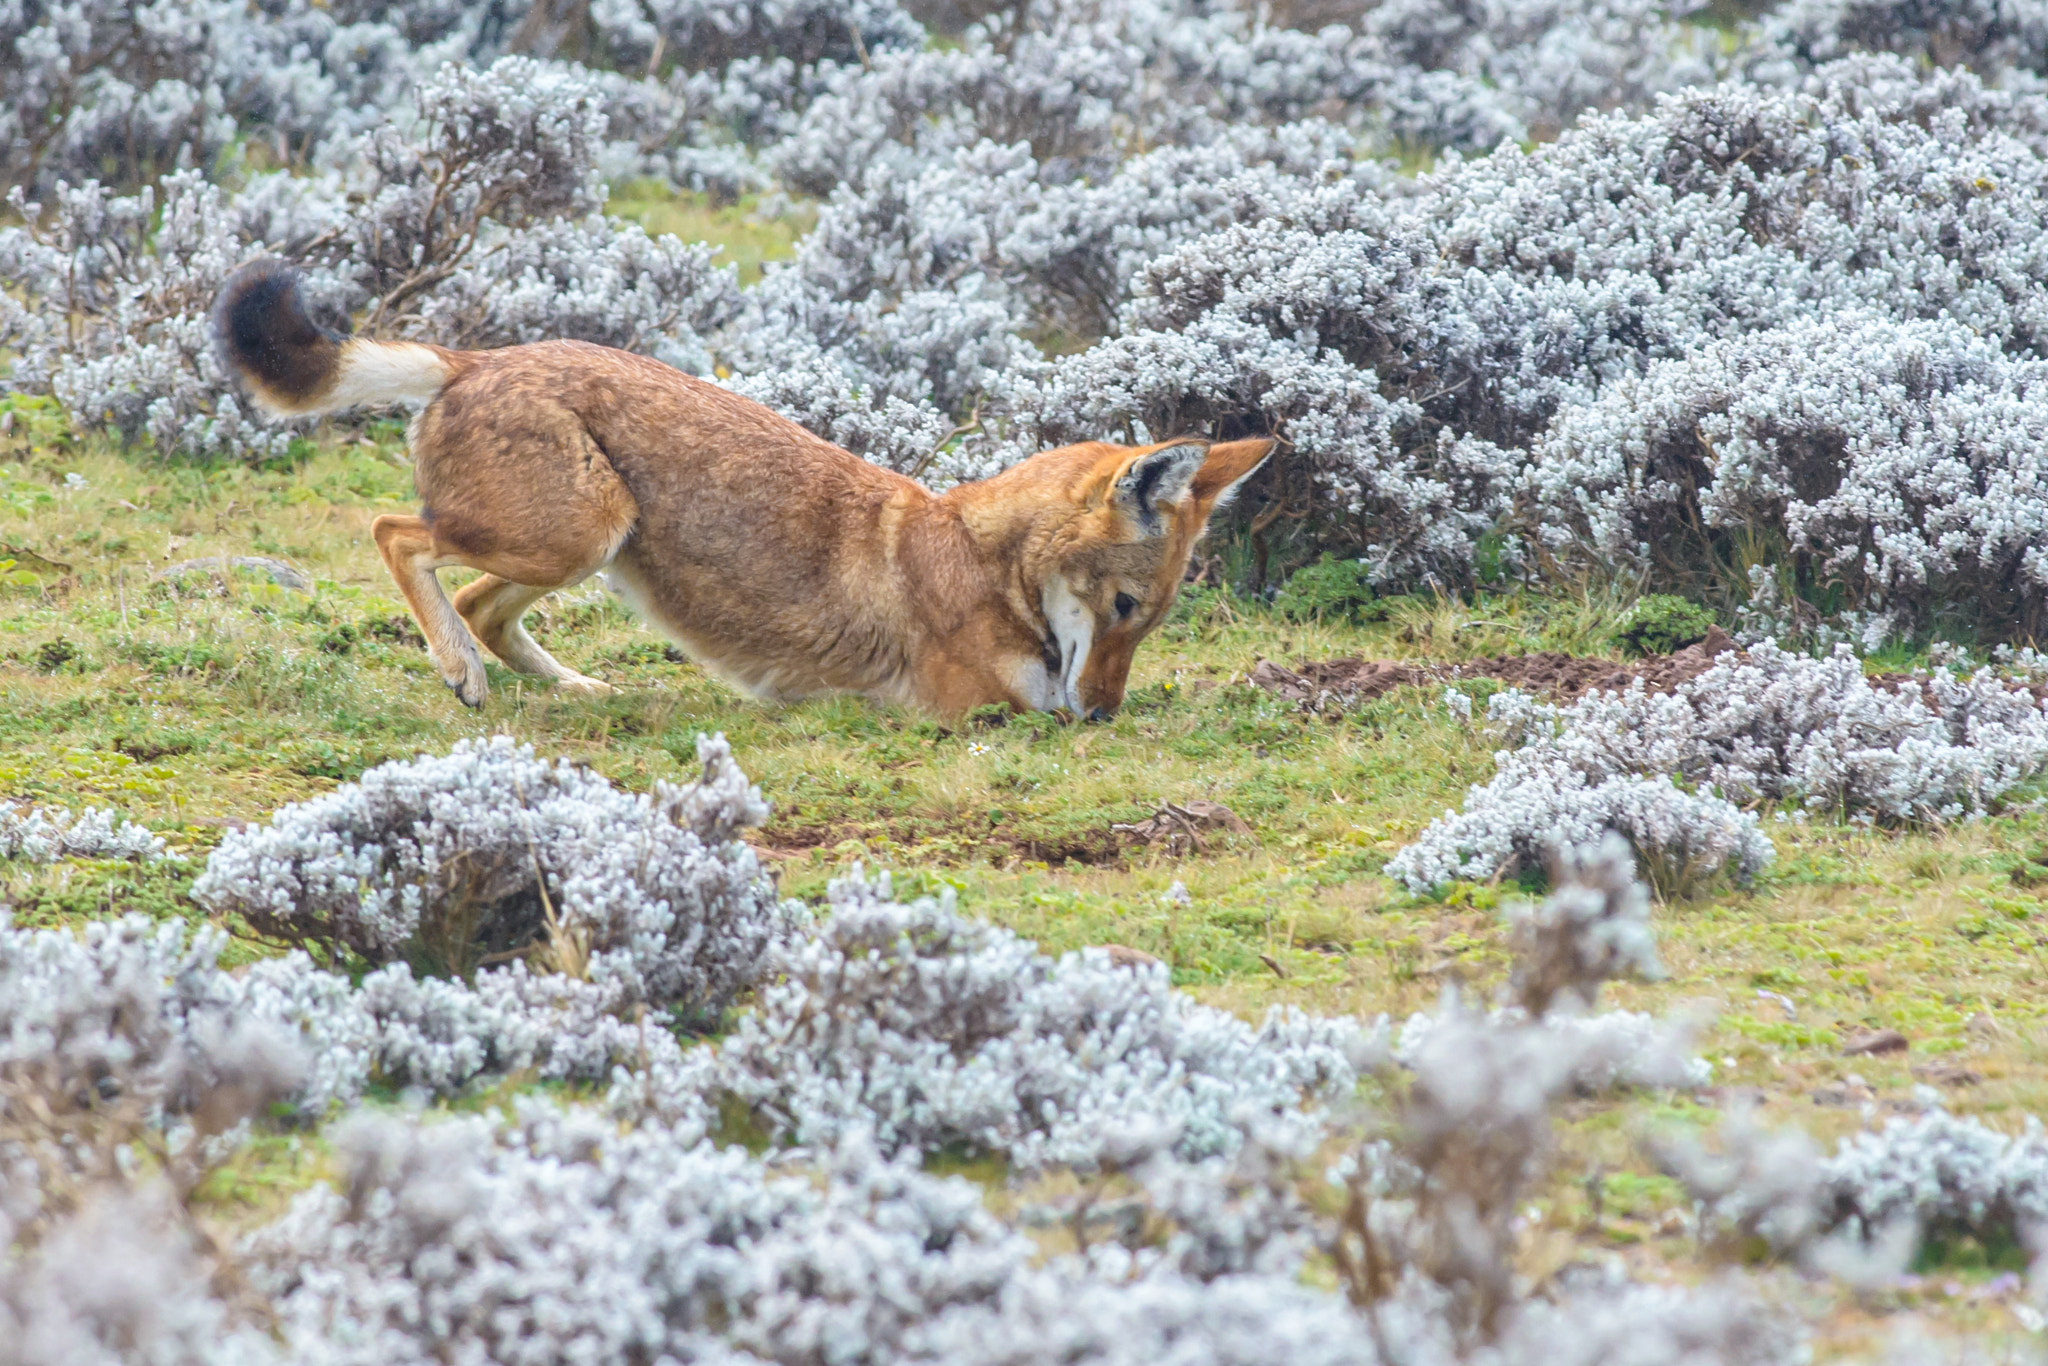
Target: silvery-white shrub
[1766, 726]
[512, 144]
[122, 1280]
[487, 850]
[1943, 1174]
[1903, 460]
[113, 1035]
[1593, 928]
[557, 1230]
[927, 1029]
[43, 834]
[118, 292]
[2001, 40]
[1429, 357]
[1537, 803]
[469, 222]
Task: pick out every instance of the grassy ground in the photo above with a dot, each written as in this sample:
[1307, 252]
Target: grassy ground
[748, 232]
[193, 701]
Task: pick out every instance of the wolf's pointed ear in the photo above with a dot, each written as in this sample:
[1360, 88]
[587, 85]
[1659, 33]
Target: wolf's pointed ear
[1155, 482]
[1228, 465]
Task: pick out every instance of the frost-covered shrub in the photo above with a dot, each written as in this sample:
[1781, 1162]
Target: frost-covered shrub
[115, 325]
[559, 1230]
[1882, 1190]
[1945, 1175]
[928, 1030]
[113, 1039]
[1542, 61]
[1756, 1183]
[144, 1013]
[1538, 802]
[1428, 357]
[488, 851]
[1593, 928]
[714, 33]
[1768, 726]
[469, 1240]
[43, 834]
[468, 224]
[473, 1239]
[597, 280]
[1435, 1198]
[438, 1036]
[513, 144]
[1725, 1322]
[1610, 1048]
[1076, 245]
[85, 83]
[891, 317]
[123, 1280]
[1904, 462]
[1997, 38]
[817, 393]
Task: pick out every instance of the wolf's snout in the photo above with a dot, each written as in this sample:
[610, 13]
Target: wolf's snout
[1100, 713]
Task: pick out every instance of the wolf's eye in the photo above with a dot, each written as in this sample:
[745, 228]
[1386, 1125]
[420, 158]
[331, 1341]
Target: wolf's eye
[1125, 605]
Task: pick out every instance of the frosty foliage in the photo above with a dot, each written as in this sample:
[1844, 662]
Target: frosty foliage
[1545, 345]
[1904, 460]
[575, 1233]
[1767, 727]
[485, 852]
[108, 1044]
[144, 1012]
[1593, 928]
[1944, 1175]
[1799, 309]
[1440, 1194]
[124, 1280]
[43, 834]
[1864, 1208]
[471, 222]
[928, 1030]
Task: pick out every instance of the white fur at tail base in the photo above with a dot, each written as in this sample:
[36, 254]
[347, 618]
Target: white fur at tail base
[384, 372]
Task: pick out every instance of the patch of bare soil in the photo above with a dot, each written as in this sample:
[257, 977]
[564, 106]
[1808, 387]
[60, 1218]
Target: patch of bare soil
[1340, 683]
[1184, 827]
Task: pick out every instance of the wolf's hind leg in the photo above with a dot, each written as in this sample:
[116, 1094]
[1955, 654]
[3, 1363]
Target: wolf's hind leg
[493, 607]
[410, 552]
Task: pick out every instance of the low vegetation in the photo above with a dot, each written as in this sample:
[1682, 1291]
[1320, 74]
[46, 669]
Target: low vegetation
[195, 701]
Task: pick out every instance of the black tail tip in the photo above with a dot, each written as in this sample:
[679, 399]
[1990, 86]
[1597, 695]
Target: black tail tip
[264, 334]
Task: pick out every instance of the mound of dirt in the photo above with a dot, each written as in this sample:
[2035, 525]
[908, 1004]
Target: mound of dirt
[1339, 683]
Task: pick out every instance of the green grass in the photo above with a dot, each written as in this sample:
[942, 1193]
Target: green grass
[195, 703]
[745, 232]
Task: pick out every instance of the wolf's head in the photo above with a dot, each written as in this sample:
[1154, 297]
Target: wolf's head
[1102, 539]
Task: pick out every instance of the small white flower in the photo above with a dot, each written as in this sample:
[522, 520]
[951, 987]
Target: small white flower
[75, 480]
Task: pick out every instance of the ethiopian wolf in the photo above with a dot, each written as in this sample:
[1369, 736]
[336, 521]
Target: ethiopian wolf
[782, 563]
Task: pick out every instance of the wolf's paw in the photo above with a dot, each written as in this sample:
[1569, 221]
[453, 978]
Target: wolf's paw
[589, 687]
[466, 678]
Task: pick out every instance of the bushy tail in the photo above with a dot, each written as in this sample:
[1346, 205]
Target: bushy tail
[291, 364]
